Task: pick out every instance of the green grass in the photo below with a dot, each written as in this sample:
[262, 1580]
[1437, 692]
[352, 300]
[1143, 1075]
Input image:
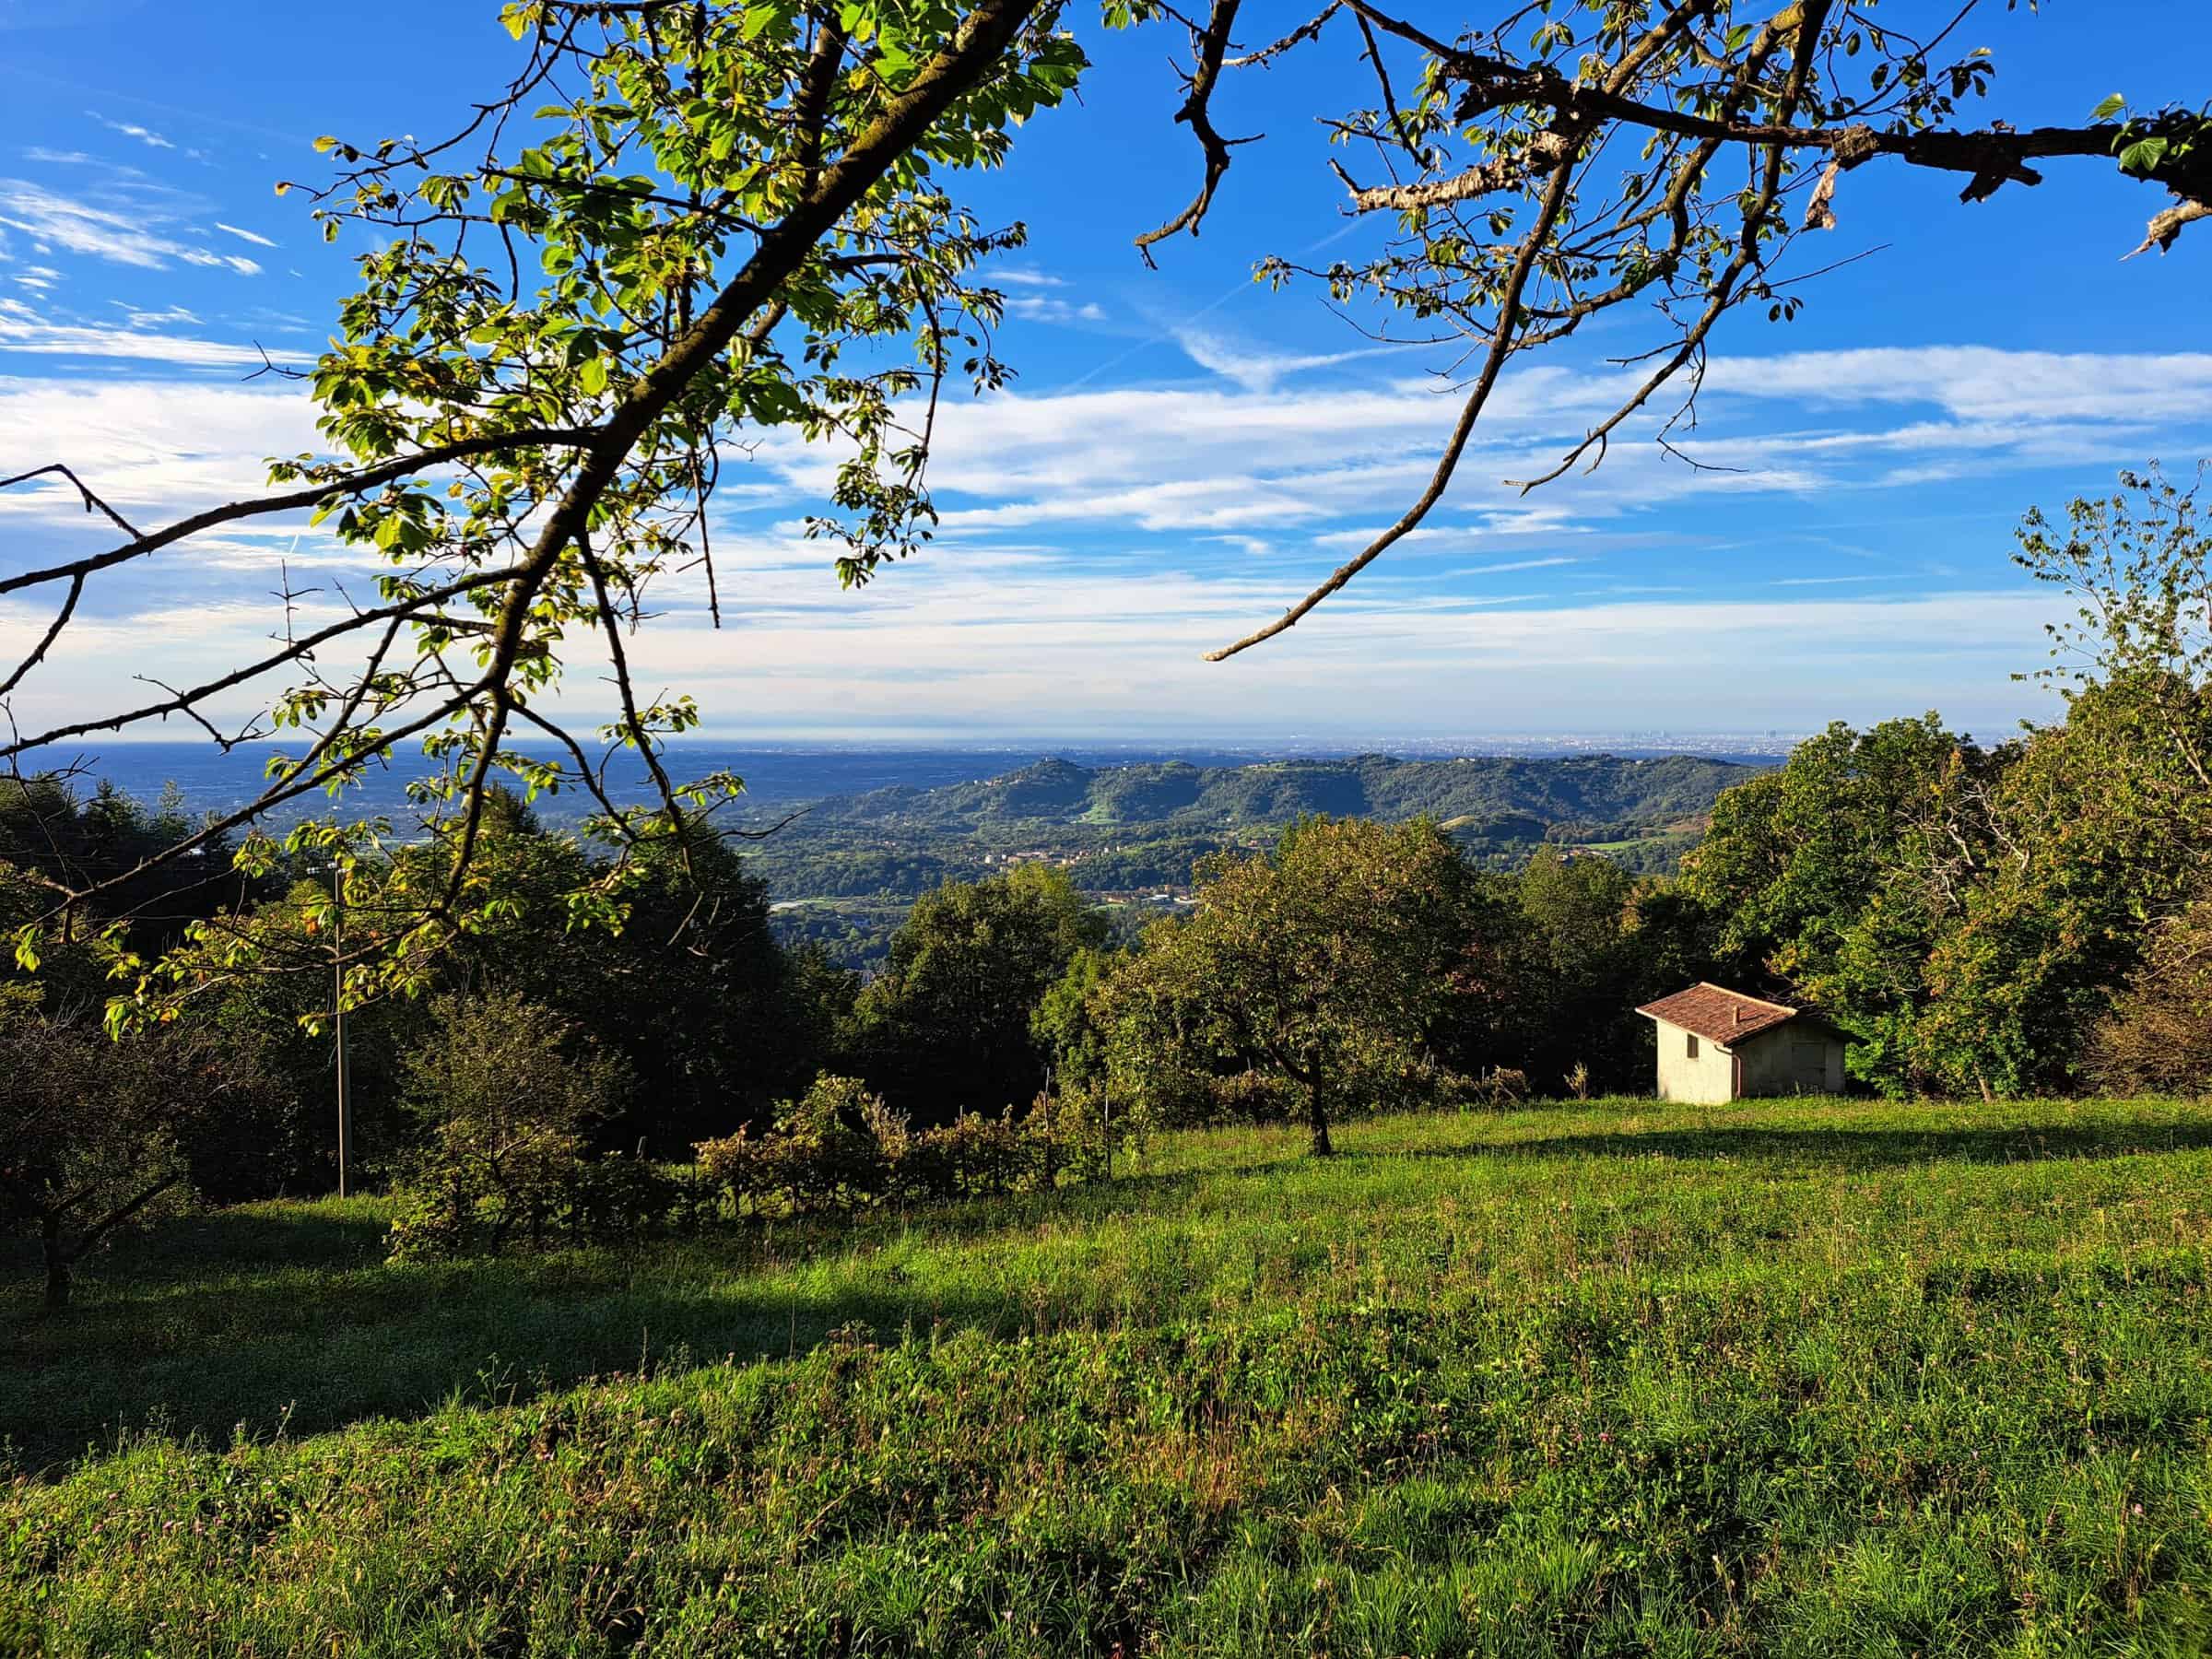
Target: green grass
[1804, 1378]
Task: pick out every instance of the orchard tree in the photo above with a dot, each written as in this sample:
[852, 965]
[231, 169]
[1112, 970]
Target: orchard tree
[508, 1094]
[96, 1137]
[1326, 966]
[686, 222]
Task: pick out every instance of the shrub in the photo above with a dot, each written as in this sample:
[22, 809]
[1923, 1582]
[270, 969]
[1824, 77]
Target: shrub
[616, 1199]
[508, 1094]
[838, 1149]
[1076, 1133]
[973, 1157]
[833, 1148]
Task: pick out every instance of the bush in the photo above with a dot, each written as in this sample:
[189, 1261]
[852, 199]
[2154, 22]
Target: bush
[1076, 1133]
[838, 1149]
[973, 1157]
[509, 1094]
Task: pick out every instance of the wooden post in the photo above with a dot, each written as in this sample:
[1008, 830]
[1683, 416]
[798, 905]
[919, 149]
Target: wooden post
[337, 974]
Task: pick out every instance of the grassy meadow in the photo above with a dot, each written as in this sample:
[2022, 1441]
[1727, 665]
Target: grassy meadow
[1790, 1378]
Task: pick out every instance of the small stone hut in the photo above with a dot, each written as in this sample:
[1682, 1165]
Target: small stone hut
[1716, 1044]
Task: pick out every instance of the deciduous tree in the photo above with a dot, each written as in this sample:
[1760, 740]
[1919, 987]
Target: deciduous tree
[1325, 967]
[98, 1136]
[947, 1027]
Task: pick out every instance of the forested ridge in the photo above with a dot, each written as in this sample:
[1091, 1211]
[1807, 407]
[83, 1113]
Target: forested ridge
[1475, 791]
[1134, 832]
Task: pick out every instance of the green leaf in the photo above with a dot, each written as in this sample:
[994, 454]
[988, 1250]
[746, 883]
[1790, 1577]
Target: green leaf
[2142, 155]
[2110, 107]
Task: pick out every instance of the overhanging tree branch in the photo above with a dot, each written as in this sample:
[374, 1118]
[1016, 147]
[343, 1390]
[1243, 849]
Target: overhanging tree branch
[1498, 121]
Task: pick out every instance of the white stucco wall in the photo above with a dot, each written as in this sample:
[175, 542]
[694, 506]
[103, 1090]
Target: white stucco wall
[1792, 1059]
[1707, 1080]
[1785, 1061]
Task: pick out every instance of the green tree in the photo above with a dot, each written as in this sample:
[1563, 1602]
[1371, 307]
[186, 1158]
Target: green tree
[1325, 967]
[1578, 909]
[947, 1026]
[1064, 1025]
[508, 1095]
[1794, 855]
[98, 1136]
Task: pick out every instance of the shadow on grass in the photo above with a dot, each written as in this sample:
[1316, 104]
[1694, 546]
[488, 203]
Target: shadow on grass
[498, 1338]
[262, 1319]
[1854, 1148]
[293, 1319]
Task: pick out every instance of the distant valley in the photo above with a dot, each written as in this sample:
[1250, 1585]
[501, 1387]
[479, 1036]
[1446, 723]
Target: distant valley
[845, 869]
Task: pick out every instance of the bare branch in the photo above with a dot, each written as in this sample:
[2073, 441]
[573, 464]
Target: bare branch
[1210, 44]
[1502, 346]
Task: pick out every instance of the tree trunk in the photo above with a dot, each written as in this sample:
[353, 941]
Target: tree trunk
[1317, 1120]
[59, 1274]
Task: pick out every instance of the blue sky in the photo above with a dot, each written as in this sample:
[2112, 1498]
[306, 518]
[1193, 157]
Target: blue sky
[1182, 453]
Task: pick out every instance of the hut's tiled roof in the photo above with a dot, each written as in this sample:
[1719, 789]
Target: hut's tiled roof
[1718, 1014]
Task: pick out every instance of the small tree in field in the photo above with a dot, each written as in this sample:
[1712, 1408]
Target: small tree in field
[98, 1136]
[509, 1095]
[1324, 969]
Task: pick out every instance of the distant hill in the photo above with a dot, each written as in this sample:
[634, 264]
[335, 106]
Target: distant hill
[1503, 794]
[845, 871]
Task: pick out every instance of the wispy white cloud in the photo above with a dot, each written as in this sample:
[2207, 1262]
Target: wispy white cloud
[1085, 557]
[1051, 308]
[1257, 369]
[1516, 564]
[1200, 460]
[154, 319]
[102, 231]
[1256, 546]
[131, 129]
[153, 447]
[254, 237]
[54, 157]
[24, 330]
[1979, 382]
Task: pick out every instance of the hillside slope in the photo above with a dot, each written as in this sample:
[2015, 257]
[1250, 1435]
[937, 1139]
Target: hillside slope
[1812, 1378]
[845, 869]
[1173, 795]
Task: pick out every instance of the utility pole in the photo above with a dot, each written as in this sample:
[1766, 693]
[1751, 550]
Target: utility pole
[338, 953]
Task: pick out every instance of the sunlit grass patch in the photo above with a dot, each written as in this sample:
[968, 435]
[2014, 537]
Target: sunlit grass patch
[1810, 1377]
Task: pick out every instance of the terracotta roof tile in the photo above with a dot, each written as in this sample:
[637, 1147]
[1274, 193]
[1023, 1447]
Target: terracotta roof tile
[1718, 1014]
